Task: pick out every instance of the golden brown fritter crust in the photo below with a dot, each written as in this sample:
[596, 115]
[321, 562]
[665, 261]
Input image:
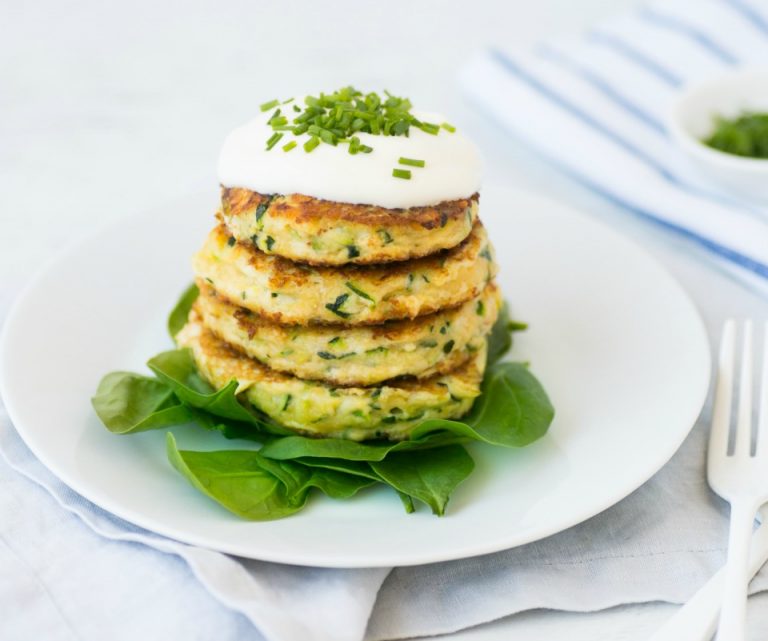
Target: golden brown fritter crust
[298, 294]
[325, 232]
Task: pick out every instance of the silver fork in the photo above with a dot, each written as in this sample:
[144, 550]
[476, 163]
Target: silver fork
[740, 476]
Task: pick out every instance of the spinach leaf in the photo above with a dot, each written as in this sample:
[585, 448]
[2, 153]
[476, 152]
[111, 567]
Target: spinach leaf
[407, 503]
[338, 485]
[176, 368]
[513, 409]
[298, 447]
[127, 403]
[256, 488]
[237, 480]
[429, 476]
[500, 338]
[355, 468]
[179, 314]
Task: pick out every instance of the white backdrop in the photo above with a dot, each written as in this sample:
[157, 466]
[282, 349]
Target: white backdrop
[107, 109]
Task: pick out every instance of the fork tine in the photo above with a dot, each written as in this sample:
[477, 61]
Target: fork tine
[744, 417]
[721, 412]
[762, 425]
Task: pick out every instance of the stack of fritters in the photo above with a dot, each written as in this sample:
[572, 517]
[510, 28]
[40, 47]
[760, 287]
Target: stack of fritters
[343, 320]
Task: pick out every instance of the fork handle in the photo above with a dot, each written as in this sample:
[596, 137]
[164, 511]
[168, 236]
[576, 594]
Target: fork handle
[697, 619]
[733, 615]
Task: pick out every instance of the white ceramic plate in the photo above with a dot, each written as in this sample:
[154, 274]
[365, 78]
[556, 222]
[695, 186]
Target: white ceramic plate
[616, 342]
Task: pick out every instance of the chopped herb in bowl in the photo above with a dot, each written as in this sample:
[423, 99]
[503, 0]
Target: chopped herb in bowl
[746, 135]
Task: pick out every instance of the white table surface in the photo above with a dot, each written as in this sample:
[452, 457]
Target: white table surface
[107, 109]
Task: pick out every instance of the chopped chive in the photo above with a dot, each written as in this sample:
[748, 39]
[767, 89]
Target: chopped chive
[430, 128]
[287, 402]
[359, 292]
[289, 145]
[385, 236]
[448, 127]
[352, 251]
[327, 356]
[334, 340]
[297, 109]
[268, 105]
[377, 350]
[428, 343]
[270, 243]
[448, 346]
[405, 174]
[480, 308]
[273, 140]
[517, 326]
[313, 142]
[262, 208]
[285, 102]
[335, 306]
[411, 162]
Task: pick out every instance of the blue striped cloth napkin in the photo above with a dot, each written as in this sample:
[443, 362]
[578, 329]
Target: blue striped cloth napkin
[595, 107]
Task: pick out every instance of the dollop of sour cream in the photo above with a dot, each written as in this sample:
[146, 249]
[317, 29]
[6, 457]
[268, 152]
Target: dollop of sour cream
[452, 170]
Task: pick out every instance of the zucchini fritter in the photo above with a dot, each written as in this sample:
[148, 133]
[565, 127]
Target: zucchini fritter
[362, 355]
[324, 232]
[390, 410]
[294, 293]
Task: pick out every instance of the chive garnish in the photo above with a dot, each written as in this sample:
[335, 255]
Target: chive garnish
[289, 145]
[405, 174]
[411, 162]
[429, 128]
[311, 144]
[448, 347]
[332, 118]
[274, 139]
[231, 241]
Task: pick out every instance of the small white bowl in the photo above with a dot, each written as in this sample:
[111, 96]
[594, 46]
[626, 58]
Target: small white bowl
[692, 119]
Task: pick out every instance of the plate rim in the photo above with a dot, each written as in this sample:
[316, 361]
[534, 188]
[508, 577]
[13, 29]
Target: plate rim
[299, 557]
